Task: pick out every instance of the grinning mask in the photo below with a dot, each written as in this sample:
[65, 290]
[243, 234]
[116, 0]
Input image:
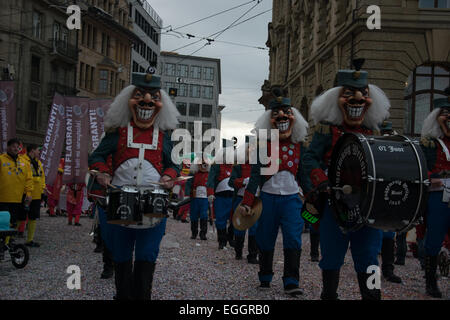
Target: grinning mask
[354, 103]
[144, 105]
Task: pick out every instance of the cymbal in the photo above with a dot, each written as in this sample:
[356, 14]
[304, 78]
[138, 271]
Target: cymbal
[241, 222]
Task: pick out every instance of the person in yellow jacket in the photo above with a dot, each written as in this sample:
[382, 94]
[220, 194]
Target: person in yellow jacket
[32, 211]
[16, 182]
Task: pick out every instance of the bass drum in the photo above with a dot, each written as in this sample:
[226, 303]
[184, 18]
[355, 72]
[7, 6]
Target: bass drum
[388, 177]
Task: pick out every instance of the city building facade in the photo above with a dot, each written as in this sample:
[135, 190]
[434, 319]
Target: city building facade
[409, 57]
[147, 27]
[198, 84]
[40, 55]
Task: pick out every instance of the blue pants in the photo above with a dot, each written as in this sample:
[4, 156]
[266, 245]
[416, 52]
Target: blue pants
[365, 244]
[222, 210]
[199, 209]
[122, 241]
[251, 230]
[438, 223]
[284, 211]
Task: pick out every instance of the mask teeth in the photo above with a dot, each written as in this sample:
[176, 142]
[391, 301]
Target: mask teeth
[283, 126]
[355, 112]
[145, 114]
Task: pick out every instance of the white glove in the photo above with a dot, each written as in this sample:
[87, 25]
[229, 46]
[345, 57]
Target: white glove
[245, 182]
[211, 199]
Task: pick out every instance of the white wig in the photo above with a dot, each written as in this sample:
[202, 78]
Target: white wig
[325, 108]
[299, 129]
[119, 114]
[431, 127]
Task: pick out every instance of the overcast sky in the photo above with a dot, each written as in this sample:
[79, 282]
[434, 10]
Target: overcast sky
[244, 69]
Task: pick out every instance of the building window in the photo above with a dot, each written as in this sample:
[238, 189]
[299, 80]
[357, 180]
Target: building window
[207, 92]
[81, 84]
[111, 83]
[440, 4]
[195, 91]
[194, 109]
[135, 66]
[169, 69]
[182, 70]
[32, 115]
[37, 24]
[196, 72]
[205, 126]
[182, 106]
[206, 110]
[169, 85]
[183, 90]
[208, 73]
[141, 69]
[35, 69]
[425, 84]
[103, 81]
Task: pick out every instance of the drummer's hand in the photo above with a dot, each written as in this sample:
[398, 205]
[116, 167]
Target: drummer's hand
[211, 198]
[167, 182]
[324, 187]
[104, 179]
[436, 183]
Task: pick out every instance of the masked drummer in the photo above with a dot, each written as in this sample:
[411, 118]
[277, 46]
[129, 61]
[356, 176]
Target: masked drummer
[352, 106]
[279, 192]
[220, 194]
[195, 188]
[240, 176]
[136, 137]
[435, 142]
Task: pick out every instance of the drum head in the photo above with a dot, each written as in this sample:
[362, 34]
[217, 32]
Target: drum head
[350, 167]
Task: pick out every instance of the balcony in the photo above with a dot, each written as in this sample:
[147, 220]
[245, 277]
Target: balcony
[64, 50]
[61, 89]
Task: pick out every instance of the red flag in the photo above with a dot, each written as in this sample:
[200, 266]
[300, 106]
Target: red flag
[54, 139]
[7, 113]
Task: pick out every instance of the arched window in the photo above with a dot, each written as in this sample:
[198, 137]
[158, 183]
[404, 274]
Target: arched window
[426, 83]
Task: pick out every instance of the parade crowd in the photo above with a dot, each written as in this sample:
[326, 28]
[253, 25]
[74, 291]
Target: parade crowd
[133, 161]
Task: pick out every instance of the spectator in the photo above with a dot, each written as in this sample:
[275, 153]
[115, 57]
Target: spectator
[74, 202]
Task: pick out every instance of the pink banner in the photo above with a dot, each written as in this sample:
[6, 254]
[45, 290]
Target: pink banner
[77, 140]
[54, 139]
[7, 113]
[97, 110]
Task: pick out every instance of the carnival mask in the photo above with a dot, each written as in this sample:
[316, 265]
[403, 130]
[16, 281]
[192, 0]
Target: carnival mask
[444, 121]
[354, 104]
[282, 118]
[144, 106]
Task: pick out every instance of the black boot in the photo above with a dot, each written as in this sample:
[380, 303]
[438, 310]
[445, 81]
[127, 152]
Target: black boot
[430, 277]
[330, 281]
[203, 228]
[123, 272]
[387, 261]
[239, 246]
[402, 248]
[230, 235]
[366, 293]
[143, 279]
[108, 265]
[222, 237]
[252, 257]
[315, 240]
[194, 228]
[291, 270]
[265, 267]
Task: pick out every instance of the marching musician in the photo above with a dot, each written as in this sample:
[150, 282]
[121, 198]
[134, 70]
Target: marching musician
[435, 142]
[136, 137]
[279, 193]
[240, 176]
[352, 106]
[195, 188]
[220, 194]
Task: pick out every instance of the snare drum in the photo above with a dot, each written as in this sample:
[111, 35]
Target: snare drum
[388, 179]
[123, 206]
[154, 205]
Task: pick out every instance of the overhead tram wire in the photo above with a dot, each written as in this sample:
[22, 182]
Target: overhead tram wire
[217, 34]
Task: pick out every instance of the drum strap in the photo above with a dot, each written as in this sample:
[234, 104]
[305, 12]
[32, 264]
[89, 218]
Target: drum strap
[444, 148]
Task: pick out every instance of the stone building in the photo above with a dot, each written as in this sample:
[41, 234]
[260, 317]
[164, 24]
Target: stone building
[40, 54]
[105, 42]
[409, 57]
